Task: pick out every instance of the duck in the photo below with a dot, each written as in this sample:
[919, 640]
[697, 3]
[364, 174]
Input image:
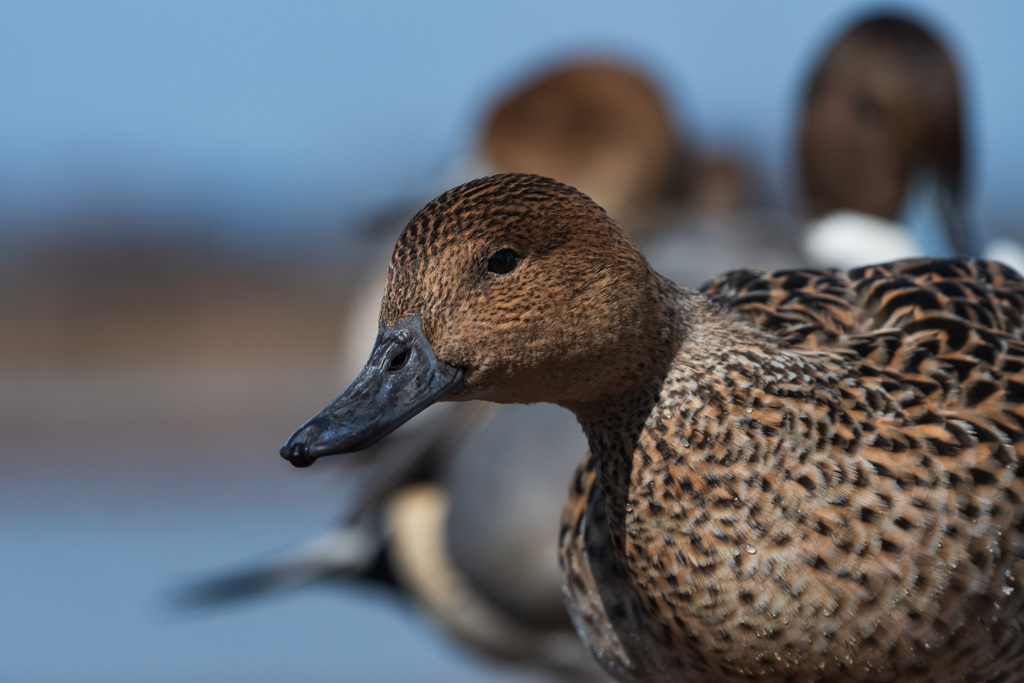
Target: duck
[600, 124]
[881, 146]
[812, 474]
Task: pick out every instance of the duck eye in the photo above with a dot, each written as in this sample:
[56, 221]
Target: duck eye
[502, 261]
[397, 361]
[868, 110]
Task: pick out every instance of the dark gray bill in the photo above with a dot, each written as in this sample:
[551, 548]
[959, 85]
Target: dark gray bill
[402, 377]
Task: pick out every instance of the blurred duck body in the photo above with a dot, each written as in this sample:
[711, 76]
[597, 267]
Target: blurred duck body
[492, 480]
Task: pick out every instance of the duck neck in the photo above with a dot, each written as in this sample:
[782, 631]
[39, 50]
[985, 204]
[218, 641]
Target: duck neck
[615, 423]
[699, 419]
[614, 438]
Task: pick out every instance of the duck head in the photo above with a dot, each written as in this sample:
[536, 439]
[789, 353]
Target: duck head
[513, 288]
[599, 125]
[882, 106]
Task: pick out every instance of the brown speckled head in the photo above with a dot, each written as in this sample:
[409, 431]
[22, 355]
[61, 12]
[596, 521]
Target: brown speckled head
[557, 320]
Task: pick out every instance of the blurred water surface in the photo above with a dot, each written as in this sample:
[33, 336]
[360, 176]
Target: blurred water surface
[118, 492]
[143, 396]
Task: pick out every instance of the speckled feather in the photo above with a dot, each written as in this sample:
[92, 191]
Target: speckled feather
[795, 475]
[846, 501]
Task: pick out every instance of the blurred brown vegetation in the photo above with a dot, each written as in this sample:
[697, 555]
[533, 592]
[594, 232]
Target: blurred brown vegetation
[129, 338]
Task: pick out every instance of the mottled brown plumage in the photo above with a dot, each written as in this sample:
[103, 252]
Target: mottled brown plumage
[839, 502]
[795, 475]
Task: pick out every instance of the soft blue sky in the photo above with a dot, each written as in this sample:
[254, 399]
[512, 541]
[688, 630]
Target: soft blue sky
[273, 114]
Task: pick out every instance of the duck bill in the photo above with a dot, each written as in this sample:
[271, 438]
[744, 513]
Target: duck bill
[402, 377]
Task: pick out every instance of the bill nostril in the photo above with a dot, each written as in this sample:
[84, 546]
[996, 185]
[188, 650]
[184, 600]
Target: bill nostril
[398, 361]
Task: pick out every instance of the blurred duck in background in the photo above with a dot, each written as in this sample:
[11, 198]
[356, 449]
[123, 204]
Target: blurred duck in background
[881, 149]
[458, 510]
[604, 126]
